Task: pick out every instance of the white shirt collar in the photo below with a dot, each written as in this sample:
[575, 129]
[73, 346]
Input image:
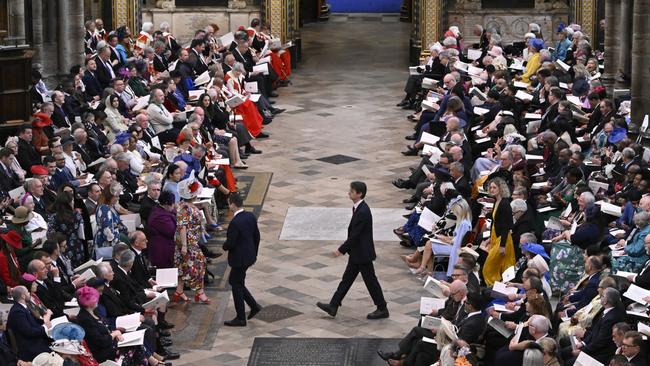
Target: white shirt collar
[472, 314]
[606, 310]
[356, 205]
[238, 211]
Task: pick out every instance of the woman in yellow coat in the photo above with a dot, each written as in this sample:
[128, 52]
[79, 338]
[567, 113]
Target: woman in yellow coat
[535, 61]
[501, 251]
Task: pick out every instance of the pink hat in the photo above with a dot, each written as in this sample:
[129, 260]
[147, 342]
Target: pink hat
[87, 296]
[29, 277]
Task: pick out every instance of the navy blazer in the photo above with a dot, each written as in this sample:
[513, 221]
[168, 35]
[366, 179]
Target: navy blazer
[598, 339]
[243, 240]
[583, 297]
[31, 339]
[93, 87]
[360, 244]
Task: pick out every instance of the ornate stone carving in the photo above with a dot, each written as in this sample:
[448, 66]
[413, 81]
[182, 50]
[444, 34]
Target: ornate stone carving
[165, 4]
[236, 4]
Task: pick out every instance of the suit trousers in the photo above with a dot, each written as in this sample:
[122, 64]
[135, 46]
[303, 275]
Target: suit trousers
[240, 293]
[422, 354]
[407, 343]
[369, 278]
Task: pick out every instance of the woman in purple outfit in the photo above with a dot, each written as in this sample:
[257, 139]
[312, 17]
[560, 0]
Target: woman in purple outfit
[161, 229]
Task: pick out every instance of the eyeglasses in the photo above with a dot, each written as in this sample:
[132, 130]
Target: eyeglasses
[629, 345]
[454, 275]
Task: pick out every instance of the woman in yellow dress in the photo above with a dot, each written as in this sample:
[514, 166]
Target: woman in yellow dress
[501, 251]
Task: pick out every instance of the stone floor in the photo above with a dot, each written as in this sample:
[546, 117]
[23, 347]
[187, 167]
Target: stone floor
[342, 102]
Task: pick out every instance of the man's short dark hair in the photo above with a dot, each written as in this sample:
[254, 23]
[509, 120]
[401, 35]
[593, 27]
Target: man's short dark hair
[50, 246]
[255, 22]
[197, 42]
[24, 127]
[536, 284]
[236, 199]
[5, 151]
[556, 92]
[359, 187]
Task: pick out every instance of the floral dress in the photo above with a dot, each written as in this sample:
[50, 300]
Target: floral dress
[109, 227]
[75, 250]
[191, 266]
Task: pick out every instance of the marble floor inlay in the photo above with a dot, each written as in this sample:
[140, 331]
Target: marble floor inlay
[342, 102]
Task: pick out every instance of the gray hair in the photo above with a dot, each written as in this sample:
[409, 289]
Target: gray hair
[519, 205]
[533, 357]
[103, 268]
[518, 148]
[629, 153]
[116, 149]
[589, 198]
[534, 27]
[127, 257]
[545, 55]
[449, 41]
[642, 219]
[118, 249]
[238, 66]
[540, 322]
[147, 26]
[164, 26]
[122, 157]
[528, 238]
[612, 297]
[457, 165]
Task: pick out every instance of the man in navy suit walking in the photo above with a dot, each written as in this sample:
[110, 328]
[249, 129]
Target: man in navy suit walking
[361, 248]
[242, 243]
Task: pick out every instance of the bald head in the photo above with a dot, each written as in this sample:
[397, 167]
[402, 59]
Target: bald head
[456, 152]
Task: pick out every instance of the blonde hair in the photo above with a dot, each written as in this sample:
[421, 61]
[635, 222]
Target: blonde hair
[504, 190]
[462, 211]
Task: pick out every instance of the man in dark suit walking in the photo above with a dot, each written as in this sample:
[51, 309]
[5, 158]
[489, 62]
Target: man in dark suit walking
[242, 244]
[361, 248]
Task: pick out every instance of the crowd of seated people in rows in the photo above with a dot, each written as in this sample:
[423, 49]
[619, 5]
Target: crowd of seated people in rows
[119, 174]
[528, 206]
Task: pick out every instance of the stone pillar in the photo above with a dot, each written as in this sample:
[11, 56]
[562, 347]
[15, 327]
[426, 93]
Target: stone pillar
[640, 53]
[70, 34]
[612, 34]
[430, 21]
[625, 44]
[37, 30]
[17, 20]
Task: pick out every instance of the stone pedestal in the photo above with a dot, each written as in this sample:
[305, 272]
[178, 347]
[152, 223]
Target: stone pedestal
[512, 24]
[184, 21]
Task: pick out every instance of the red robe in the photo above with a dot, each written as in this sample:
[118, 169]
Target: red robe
[281, 63]
[250, 115]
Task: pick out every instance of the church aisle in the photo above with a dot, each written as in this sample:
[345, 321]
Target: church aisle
[342, 102]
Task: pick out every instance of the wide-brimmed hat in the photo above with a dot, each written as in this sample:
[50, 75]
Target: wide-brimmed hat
[68, 347]
[22, 215]
[68, 331]
[48, 359]
[12, 238]
[190, 187]
[539, 263]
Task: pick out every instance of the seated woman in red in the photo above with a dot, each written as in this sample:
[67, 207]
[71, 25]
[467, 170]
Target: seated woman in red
[235, 82]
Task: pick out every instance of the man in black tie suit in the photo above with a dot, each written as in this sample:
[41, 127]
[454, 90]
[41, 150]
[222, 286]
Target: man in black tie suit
[8, 178]
[361, 248]
[140, 271]
[242, 244]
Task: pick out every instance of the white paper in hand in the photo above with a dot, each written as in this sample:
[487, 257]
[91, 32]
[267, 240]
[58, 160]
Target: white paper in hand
[508, 275]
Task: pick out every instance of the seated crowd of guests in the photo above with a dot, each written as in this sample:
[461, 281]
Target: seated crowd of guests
[105, 186]
[528, 186]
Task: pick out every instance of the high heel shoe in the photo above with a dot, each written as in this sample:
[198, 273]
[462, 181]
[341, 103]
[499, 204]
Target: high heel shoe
[197, 298]
[178, 297]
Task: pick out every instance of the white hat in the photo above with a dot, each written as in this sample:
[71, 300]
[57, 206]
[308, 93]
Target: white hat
[190, 187]
[538, 263]
[495, 51]
[48, 359]
[67, 347]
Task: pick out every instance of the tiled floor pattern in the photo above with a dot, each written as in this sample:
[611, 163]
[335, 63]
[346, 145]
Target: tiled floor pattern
[341, 103]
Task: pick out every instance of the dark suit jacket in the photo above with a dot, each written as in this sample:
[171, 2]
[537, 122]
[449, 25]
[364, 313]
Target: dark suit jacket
[199, 66]
[130, 291]
[360, 244]
[102, 73]
[464, 187]
[59, 117]
[598, 339]
[31, 339]
[27, 155]
[146, 205]
[643, 278]
[243, 240]
[8, 180]
[113, 303]
[98, 336]
[470, 329]
[140, 270]
[160, 64]
[93, 87]
[51, 297]
[585, 295]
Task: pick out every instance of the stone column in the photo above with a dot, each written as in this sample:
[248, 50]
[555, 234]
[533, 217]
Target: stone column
[430, 21]
[17, 20]
[640, 54]
[612, 34]
[70, 34]
[625, 44]
[37, 30]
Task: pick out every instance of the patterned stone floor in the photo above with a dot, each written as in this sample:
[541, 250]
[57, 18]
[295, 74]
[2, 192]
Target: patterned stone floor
[341, 103]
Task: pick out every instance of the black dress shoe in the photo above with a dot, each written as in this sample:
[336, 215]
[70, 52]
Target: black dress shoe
[235, 323]
[253, 150]
[398, 231]
[388, 355]
[410, 206]
[262, 135]
[411, 199]
[405, 244]
[165, 342]
[411, 137]
[402, 103]
[410, 152]
[277, 111]
[168, 354]
[267, 121]
[402, 183]
[273, 94]
[164, 333]
[165, 325]
[329, 309]
[378, 314]
[271, 102]
[254, 312]
[211, 254]
[406, 216]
